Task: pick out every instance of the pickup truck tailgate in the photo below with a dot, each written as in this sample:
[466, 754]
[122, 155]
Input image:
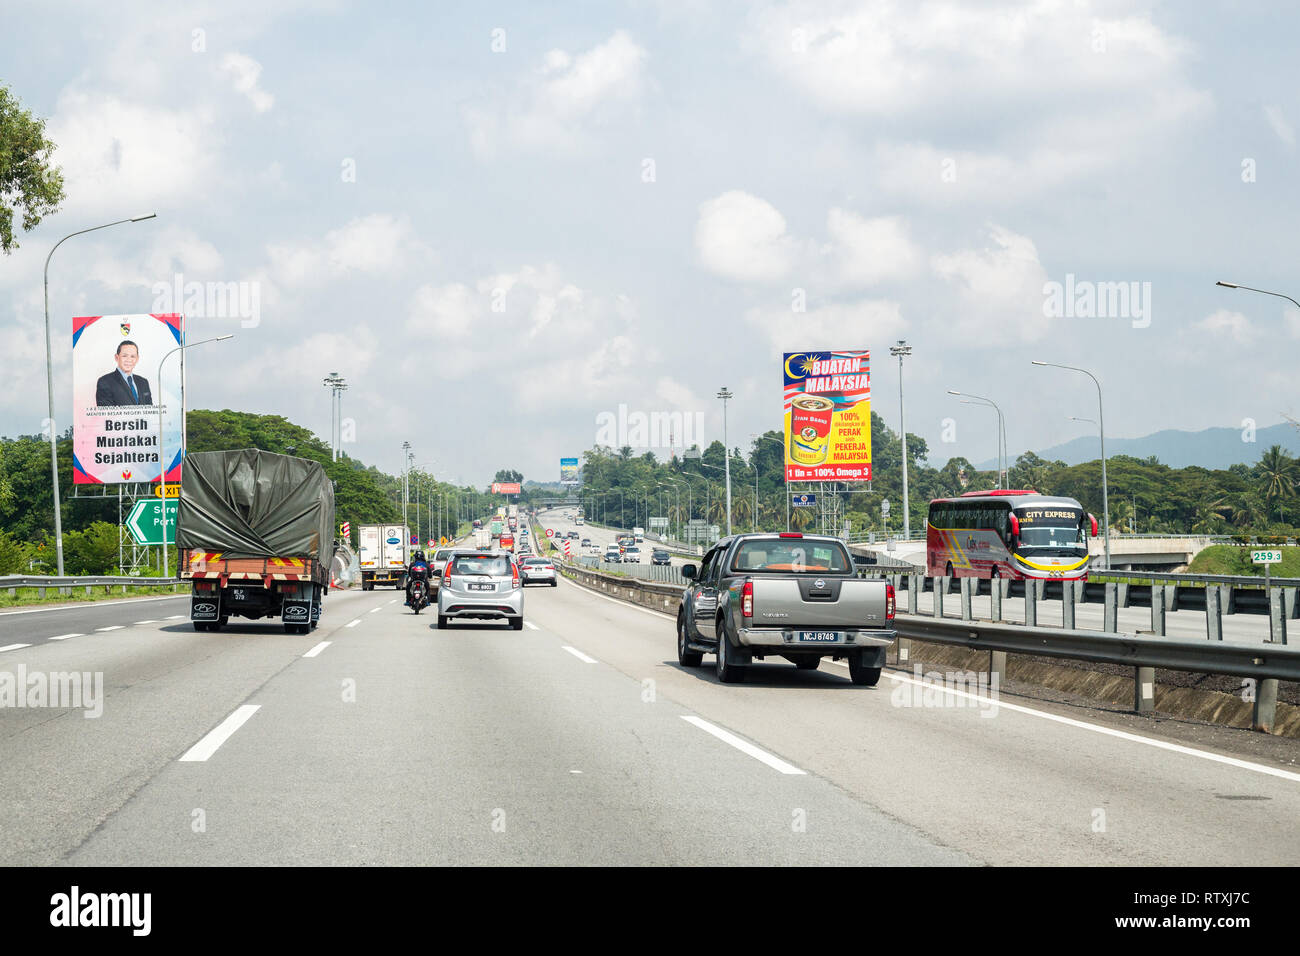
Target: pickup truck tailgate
[840, 602]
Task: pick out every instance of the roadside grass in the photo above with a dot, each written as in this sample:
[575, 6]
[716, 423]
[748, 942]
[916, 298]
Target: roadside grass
[1235, 559]
[30, 596]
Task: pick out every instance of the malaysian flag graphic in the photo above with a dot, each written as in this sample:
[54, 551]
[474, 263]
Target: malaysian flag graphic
[799, 365]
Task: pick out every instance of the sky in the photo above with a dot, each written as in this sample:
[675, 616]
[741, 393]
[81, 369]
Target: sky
[500, 222]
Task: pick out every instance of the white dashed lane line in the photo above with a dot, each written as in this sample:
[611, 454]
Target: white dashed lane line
[375, 610]
[64, 637]
[206, 747]
[353, 623]
[531, 626]
[744, 746]
[138, 623]
[113, 627]
[317, 649]
[14, 647]
[580, 656]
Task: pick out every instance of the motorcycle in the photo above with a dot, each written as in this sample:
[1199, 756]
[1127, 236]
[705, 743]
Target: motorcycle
[419, 596]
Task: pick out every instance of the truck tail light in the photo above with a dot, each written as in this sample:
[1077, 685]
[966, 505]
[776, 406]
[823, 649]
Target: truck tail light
[747, 600]
[891, 603]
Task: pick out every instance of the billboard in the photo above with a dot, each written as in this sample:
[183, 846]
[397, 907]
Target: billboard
[116, 398]
[827, 406]
[505, 488]
[568, 471]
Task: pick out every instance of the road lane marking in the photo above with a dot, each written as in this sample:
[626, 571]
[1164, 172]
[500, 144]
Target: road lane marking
[178, 617]
[138, 623]
[64, 637]
[14, 647]
[580, 656]
[375, 610]
[393, 601]
[317, 649]
[206, 747]
[1109, 732]
[112, 627]
[530, 624]
[353, 623]
[744, 746]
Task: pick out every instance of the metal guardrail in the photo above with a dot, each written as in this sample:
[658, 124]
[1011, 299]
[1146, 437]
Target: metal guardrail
[52, 581]
[1130, 650]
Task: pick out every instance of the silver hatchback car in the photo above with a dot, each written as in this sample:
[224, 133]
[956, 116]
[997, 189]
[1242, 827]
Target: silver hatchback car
[481, 584]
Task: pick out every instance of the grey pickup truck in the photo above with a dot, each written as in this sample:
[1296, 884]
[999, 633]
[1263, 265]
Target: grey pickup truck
[786, 595]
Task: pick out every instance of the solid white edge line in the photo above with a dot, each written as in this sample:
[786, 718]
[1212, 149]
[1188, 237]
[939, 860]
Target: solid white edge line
[14, 647]
[744, 746]
[88, 604]
[531, 625]
[64, 637]
[219, 734]
[1108, 731]
[111, 627]
[353, 623]
[572, 650]
[317, 649]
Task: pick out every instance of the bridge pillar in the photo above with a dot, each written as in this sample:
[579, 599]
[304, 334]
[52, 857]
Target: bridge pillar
[1213, 613]
[1067, 604]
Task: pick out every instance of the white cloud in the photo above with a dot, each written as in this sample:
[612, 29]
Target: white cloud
[866, 251]
[1279, 125]
[740, 236]
[835, 326]
[1226, 323]
[558, 105]
[1292, 318]
[129, 157]
[245, 72]
[1000, 288]
[371, 245]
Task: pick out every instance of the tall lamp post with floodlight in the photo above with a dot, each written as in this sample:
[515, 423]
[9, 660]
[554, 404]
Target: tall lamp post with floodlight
[725, 394]
[1101, 429]
[902, 350]
[49, 383]
[1002, 429]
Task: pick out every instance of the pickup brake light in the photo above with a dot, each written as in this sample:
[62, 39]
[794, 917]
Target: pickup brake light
[747, 600]
[791, 534]
[890, 602]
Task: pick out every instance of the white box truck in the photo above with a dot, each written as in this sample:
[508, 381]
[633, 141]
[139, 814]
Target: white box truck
[383, 555]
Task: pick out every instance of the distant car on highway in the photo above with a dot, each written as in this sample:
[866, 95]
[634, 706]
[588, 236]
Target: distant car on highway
[586, 542]
[660, 556]
[538, 571]
[481, 584]
[632, 555]
[613, 553]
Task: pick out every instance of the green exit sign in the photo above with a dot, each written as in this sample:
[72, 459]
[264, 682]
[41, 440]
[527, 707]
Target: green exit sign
[1266, 557]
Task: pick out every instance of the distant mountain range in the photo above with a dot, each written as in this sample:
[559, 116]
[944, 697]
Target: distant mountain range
[1214, 448]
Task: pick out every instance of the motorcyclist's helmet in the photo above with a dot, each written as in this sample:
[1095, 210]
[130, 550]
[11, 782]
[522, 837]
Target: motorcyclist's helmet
[419, 556]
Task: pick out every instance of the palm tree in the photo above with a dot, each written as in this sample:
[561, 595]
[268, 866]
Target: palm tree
[1207, 520]
[1277, 475]
[743, 509]
[1120, 513]
[801, 518]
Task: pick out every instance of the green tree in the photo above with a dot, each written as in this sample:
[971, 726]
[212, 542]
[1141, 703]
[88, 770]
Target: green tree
[1277, 472]
[28, 181]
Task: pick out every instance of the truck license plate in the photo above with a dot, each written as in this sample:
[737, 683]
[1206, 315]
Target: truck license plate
[817, 637]
[237, 594]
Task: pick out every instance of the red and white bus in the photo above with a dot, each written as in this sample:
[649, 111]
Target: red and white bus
[1009, 534]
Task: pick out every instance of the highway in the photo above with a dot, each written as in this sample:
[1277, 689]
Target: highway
[379, 739]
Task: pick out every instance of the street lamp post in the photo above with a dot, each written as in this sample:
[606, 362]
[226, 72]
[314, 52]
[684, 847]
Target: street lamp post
[787, 487]
[1233, 285]
[335, 383]
[1101, 428]
[902, 350]
[406, 475]
[725, 394]
[162, 451]
[1002, 429]
[49, 384]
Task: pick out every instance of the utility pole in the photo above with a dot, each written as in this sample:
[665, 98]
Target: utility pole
[406, 475]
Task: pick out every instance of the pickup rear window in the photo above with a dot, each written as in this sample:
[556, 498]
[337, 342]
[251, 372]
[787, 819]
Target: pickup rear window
[791, 555]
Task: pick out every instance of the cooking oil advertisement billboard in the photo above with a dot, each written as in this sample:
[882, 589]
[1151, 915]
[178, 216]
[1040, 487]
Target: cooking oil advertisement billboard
[116, 398]
[828, 416]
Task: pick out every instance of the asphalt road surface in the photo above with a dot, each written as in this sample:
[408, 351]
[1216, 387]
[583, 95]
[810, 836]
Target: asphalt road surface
[379, 739]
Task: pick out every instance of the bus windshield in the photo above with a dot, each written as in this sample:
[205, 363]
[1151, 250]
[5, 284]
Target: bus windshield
[1056, 528]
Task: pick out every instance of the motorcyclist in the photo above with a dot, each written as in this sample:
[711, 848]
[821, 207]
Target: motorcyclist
[418, 570]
